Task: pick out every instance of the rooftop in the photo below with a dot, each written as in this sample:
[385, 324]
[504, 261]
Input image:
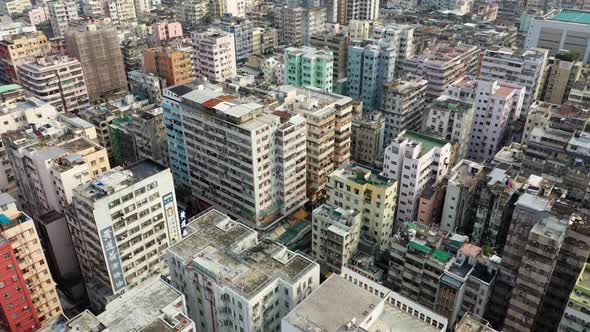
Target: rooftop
[362, 175]
[448, 103]
[428, 142]
[140, 306]
[472, 323]
[119, 178]
[350, 304]
[9, 87]
[573, 16]
[228, 252]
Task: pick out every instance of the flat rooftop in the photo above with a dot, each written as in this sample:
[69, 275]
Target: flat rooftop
[573, 16]
[337, 302]
[428, 142]
[139, 307]
[472, 323]
[119, 178]
[363, 175]
[215, 245]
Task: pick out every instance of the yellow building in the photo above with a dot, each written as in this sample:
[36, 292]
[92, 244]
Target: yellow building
[374, 196]
[20, 230]
[18, 49]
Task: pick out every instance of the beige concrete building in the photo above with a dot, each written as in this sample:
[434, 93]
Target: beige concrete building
[403, 104]
[335, 236]
[561, 76]
[367, 138]
[329, 121]
[373, 196]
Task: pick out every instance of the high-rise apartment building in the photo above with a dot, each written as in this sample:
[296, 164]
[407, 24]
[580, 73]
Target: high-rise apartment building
[288, 22]
[33, 155]
[460, 199]
[264, 40]
[309, 67]
[247, 284]
[524, 67]
[403, 105]
[338, 44]
[328, 118]
[312, 22]
[97, 49]
[450, 119]
[19, 229]
[241, 29]
[367, 138]
[496, 105]
[174, 65]
[362, 10]
[121, 11]
[336, 234]
[121, 223]
[442, 64]
[214, 55]
[563, 71]
[57, 80]
[403, 34]
[257, 178]
[15, 114]
[354, 187]
[60, 14]
[18, 49]
[413, 159]
[371, 64]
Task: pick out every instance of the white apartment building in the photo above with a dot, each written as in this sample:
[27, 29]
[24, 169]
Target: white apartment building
[11, 7]
[121, 223]
[403, 34]
[413, 160]
[451, 120]
[460, 187]
[234, 282]
[121, 11]
[335, 235]
[373, 196]
[403, 105]
[239, 158]
[57, 80]
[362, 10]
[61, 12]
[214, 55]
[496, 104]
[359, 29]
[16, 114]
[523, 66]
[328, 117]
[33, 155]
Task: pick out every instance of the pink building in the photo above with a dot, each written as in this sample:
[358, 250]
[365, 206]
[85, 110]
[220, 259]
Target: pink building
[37, 15]
[167, 31]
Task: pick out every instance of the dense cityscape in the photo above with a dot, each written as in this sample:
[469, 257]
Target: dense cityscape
[294, 165]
